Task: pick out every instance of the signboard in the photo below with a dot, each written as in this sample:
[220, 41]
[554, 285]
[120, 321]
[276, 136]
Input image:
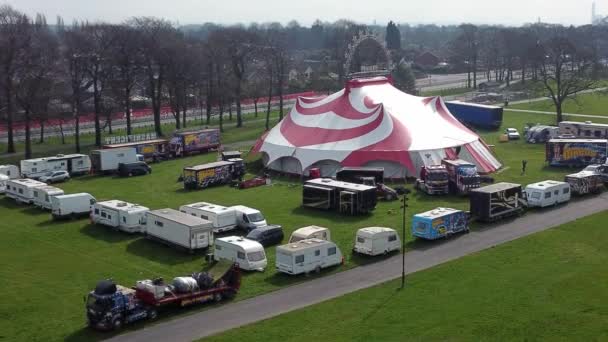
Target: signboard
[576, 153]
[122, 139]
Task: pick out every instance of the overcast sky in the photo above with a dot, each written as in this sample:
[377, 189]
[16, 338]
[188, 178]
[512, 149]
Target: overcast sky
[508, 12]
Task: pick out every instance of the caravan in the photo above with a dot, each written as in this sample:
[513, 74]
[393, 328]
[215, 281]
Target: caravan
[248, 254]
[11, 171]
[22, 190]
[74, 164]
[310, 232]
[71, 205]
[176, 228]
[43, 196]
[543, 194]
[3, 180]
[128, 217]
[376, 240]
[307, 255]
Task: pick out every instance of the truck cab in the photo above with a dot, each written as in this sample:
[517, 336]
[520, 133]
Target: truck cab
[462, 175]
[433, 179]
[110, 306]
[249, 219]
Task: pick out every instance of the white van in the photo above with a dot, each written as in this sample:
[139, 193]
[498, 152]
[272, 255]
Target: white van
[310, 232]
[546, 193]
[43, 196]
[71, 205]
[248, 254]
[307, 255]
[128, 217]
[3, 180]
[12, 171]
[226, 218]
[179, 229]
[376, 240]
[22, 190]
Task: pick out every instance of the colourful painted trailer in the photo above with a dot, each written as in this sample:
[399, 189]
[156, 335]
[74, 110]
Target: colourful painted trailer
[194, 141]
[576, 152]
[439, 223]
[154, 149]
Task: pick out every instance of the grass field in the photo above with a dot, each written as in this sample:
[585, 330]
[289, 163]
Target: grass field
[590, 103]
[49, 266]
[551, 286]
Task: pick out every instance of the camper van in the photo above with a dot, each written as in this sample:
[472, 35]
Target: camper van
[376, 240]
[71, 205]
[179, 229]
[439, 223]
[11, 171]
[310, 232]
[22, 190]
[128, 217]
[74, 164]
[307, 255]
[543, 194]
[226, 218]
[3, 180]
[43, 196]
[248, 254]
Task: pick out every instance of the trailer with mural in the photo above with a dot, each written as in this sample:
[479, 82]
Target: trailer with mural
[584, 182]
[439, 223]
[205, 175]
[576, 152]
[194, 141]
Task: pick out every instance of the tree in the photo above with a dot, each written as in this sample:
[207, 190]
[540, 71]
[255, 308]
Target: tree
[393, 36]
[404, 79]
[467, 46]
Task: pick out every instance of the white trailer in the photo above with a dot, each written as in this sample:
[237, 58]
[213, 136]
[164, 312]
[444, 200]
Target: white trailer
[3, 180]
[74, 164]
[22, 190]
[226, 218]
[43, 196]
[128, 217]
[106, 161]
[180, 229]
[248, 254]
[12, 171]
[546, 193]
[310, 232]
[376, 240]
[307, 255]
[72, 205]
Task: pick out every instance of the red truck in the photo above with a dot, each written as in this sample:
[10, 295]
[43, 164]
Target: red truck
[111, 306]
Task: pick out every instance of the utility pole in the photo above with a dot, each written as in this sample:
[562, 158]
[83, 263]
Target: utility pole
[403, 206]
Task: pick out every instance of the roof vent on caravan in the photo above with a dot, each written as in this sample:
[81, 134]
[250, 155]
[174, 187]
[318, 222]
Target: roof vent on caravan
[326, 180]
[121, 204]
[60, 155]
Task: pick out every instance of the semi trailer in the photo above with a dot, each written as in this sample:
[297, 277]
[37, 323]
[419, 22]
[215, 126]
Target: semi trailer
[346, 198]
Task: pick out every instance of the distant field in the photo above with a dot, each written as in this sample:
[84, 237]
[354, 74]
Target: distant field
[446, 92]
[591, 103]
[549, 286]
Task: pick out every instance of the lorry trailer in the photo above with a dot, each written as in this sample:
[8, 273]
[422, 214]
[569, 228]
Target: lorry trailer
[346, 198]
[497, 201]
[194, 141]
[205, 175]
[179, 229]
[576, 152]
[108, 161]
[476, 115]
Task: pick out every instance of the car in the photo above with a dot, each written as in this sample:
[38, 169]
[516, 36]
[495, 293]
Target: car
[55, 177]
[267, 235]
[134, 169]
[512, 133]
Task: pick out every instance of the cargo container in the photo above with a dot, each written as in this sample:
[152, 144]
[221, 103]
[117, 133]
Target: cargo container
[216, 173]
[476, 115]
[179, 229]
[439, 223]
[154, 149]
[194, 141]
[346, 198]
[496, 201]
[576, 152]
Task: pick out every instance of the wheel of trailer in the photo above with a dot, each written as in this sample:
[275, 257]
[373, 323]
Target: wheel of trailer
[152, 314]
[130, 174]
[217, 297]
[385, 252]
[318, 269]
[229, 294]
[117, 323]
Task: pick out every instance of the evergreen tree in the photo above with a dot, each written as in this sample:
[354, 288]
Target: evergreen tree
[393, 36]
[404, 79]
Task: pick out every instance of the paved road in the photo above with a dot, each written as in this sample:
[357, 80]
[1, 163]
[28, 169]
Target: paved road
[255, 309]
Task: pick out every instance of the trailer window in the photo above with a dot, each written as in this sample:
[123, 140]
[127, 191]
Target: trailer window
[536, 195]
[96, 211]
[299, 259]
[158, 223]
[92, 201]
[331, 251]
[240, 255]
[256, 256]
[392, 238]
[124, 219]
[421, 227]
[35, 193]
[103, 214]
[556, 192]
[218, 247]
[566, 190]
[548, 194]
[360, 239]
[317, 252]
[204, 217]
[21, 191]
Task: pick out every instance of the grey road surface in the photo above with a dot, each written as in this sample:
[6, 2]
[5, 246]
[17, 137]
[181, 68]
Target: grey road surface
[255, 309]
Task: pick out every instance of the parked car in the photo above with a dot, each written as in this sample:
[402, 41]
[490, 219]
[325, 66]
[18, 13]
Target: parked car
[134, 169]
[55, 177]
[512, 133]
[268, 235]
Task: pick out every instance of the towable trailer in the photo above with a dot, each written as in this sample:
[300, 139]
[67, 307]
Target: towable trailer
[154, 149]
[497, 201]
[584, 182]
[576, 152]
[74, 164]
[216, 173]
[194, 141]
[346, 198]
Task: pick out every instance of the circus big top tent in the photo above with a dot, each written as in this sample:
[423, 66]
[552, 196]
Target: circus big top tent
[370, 123]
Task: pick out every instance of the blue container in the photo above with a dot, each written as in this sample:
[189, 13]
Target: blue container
[439, 223]
[476, 115]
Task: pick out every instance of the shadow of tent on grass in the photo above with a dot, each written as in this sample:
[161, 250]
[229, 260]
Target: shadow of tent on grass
[164, 254]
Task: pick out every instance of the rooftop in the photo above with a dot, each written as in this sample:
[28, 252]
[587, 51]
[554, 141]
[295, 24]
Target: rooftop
[502, 186]
[179, 217]
[303, 244]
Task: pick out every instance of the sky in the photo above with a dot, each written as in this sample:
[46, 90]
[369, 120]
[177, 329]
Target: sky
[505, 12]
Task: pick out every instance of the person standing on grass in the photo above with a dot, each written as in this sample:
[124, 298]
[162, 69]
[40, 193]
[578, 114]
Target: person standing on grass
[524, 163]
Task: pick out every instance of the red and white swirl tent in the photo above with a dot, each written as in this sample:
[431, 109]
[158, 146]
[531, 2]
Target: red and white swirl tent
[370, 123]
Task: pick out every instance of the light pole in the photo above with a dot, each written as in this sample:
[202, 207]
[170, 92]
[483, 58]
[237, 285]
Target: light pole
[403, 206]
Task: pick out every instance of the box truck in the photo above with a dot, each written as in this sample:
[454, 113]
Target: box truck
[346, 198]
[226, 218]
[194, 141]
[22, 190]
[74, 164]
[107, 161]
[376, 240]
[43, 196]
[439, 223]
[306, 256]
[496, 201]
[546, 193]
[216, 173]
[576, 152]
[128, 217]
[179, 229]
[72, 205]
[249, 255]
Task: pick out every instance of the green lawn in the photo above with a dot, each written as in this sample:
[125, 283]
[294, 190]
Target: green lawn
[590, 103]
[48, 266]
[551, 286]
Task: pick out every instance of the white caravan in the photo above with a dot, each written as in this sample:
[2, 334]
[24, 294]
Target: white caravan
[106, 161]
[310, 232]
[376, 241]
[74, 164]
[226, 218]
[128, 217]
[12, 171]
[3, 180]
[307, 255]
[43, 196]
[72, 205]
[248, 254]
[546, 193]
[22, 190]
[176, 228]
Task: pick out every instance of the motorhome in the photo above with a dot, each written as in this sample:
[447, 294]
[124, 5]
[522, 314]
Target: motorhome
[546, 193]
[248, 254]
[43, 196]
[176, 228]
[226, 218]
[22, 190]
[310, 232]
[72, 205]
[12, 171]
[306, 256]
[74, 164]
[586, 129]
[108, 161]
[128, 217]
[3, 180]
[376, 240]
